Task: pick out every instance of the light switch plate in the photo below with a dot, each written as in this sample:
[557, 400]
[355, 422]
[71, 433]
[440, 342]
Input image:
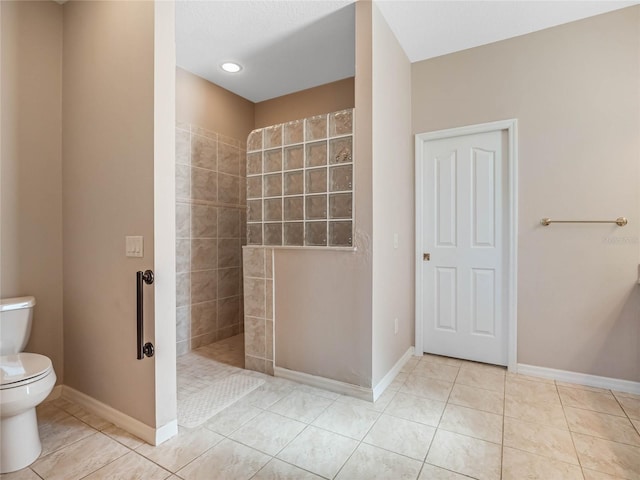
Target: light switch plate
[134, 246]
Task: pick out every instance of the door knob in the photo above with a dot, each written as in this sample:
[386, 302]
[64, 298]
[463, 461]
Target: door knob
[426, 257]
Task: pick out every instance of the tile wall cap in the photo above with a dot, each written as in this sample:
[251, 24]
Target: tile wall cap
[303, 247]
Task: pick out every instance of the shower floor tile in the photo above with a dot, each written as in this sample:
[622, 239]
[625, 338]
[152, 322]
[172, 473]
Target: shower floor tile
[197, 369]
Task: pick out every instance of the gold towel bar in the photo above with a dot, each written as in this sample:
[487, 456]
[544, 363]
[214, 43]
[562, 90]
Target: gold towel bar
[620, 221]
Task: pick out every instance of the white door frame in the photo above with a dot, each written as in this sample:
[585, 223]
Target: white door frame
[511, 126]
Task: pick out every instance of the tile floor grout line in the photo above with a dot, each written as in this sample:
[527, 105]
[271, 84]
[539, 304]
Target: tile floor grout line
[439, 421]
[452, 471]
[292, 440]
[577, 407]
[605, 438]
[151, 461]
[404, 455]
[237, 428]
[316, 396]
[253, 447]
[477, 387]
[636, 445]
[636, 427]
[301, 468]
[573, 442]
[193, 460]
[306, 425]
[260, 469]
[531, 422]
[101, 466]
[422, 424]
[66, 445]
[27, 468]
[359, 441]
[112, 461]
[602, 413]
[335, 433]
[469, 436]
[546, 457]
[347, 460]
[622, 408]
[596, 411]
[446, 404]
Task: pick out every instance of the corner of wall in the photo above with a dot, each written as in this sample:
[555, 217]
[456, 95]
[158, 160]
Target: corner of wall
[393, 200]
[31, 217]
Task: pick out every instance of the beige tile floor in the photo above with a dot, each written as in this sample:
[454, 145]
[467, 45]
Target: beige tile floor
[441, 419]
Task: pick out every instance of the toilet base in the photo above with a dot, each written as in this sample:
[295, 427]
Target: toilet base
[19, 441]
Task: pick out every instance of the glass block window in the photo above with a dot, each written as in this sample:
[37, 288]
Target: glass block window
[300, 182]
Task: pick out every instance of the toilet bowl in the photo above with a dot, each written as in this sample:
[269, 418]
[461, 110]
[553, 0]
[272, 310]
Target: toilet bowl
[26, 379]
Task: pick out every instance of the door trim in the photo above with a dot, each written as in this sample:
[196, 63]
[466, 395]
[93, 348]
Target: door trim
[511, 126]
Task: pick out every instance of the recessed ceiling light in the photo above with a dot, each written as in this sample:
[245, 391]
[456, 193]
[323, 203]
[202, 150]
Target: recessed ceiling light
[231, 67]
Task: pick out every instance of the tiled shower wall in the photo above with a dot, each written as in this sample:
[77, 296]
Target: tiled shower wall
[258, 310]
[210, 231]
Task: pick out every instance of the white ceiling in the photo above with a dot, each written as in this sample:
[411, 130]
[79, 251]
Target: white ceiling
[428, 29]
[287, 46]
[283, 46]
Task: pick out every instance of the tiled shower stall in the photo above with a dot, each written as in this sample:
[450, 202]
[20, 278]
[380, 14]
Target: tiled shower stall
[298, 179]
[210, 232]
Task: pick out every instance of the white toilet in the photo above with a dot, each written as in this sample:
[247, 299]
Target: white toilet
[26, 379]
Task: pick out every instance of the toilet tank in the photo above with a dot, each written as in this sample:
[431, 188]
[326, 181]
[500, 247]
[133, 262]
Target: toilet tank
[15, 323]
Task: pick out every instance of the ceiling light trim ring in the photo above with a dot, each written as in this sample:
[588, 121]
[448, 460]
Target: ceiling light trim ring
[231, 67]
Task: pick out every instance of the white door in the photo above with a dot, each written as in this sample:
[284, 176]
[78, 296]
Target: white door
[463, 275]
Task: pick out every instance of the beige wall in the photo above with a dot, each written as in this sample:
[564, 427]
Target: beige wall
[323, 298]
[393, 204]
[205, 104]
[331, 97]
[108, 181]
[574, 90]
[202, 103]
[31, 243]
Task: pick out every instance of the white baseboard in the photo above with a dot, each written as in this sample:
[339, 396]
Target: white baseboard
[151, 435]
[363, 393]
[166, 431]
[391, 374]
[580, 378]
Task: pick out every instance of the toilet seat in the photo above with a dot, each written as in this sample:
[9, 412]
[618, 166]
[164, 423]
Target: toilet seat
[22, 369]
